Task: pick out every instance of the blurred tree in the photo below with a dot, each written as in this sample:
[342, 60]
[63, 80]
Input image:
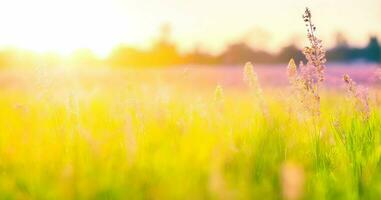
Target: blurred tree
[341, 51]
[164, 52]
[127, 56]
[341, 40]
[372, 51]
[237, 54]
[197, 56]
[288, 52]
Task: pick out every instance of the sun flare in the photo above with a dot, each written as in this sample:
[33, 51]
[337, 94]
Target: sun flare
[63, 26]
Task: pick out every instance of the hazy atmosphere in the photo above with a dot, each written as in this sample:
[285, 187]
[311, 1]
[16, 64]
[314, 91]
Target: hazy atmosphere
[62, 26]
[190, 99]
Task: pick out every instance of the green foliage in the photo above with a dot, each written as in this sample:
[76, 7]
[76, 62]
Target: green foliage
[129, 145]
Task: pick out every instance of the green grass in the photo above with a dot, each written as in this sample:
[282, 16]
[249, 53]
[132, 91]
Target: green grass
[138, 143]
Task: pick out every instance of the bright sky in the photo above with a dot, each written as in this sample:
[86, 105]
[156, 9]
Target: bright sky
[64, 25]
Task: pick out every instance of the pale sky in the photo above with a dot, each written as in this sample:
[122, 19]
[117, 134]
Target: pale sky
[64, 25]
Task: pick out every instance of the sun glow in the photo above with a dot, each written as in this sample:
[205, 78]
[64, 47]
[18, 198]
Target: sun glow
[63, 26]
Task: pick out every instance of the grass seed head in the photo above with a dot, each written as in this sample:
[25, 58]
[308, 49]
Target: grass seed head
[292, 70]
[249, 76]
[360, 95]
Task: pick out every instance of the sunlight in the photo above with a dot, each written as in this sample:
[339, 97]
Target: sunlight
[63, 26]
[152, 99]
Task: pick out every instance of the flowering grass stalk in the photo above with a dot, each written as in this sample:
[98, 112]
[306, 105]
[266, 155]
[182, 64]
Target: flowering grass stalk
[251, 79]
[359, 94]
[307, 80]
[315, 53]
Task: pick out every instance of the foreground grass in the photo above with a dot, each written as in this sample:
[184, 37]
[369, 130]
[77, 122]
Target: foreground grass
[166, 142]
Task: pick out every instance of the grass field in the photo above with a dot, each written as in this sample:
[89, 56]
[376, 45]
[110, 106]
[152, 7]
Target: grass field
[144, 135]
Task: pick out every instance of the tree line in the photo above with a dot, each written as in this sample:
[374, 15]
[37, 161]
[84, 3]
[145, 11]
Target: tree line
[165, 53]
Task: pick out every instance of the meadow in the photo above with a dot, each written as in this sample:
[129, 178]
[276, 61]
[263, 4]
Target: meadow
[169, 134]
[306, 131]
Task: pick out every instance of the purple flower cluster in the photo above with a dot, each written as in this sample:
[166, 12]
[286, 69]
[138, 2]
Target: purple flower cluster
[307, 79]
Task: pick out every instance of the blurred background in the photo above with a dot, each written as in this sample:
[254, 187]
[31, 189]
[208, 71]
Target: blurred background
[161, 33]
